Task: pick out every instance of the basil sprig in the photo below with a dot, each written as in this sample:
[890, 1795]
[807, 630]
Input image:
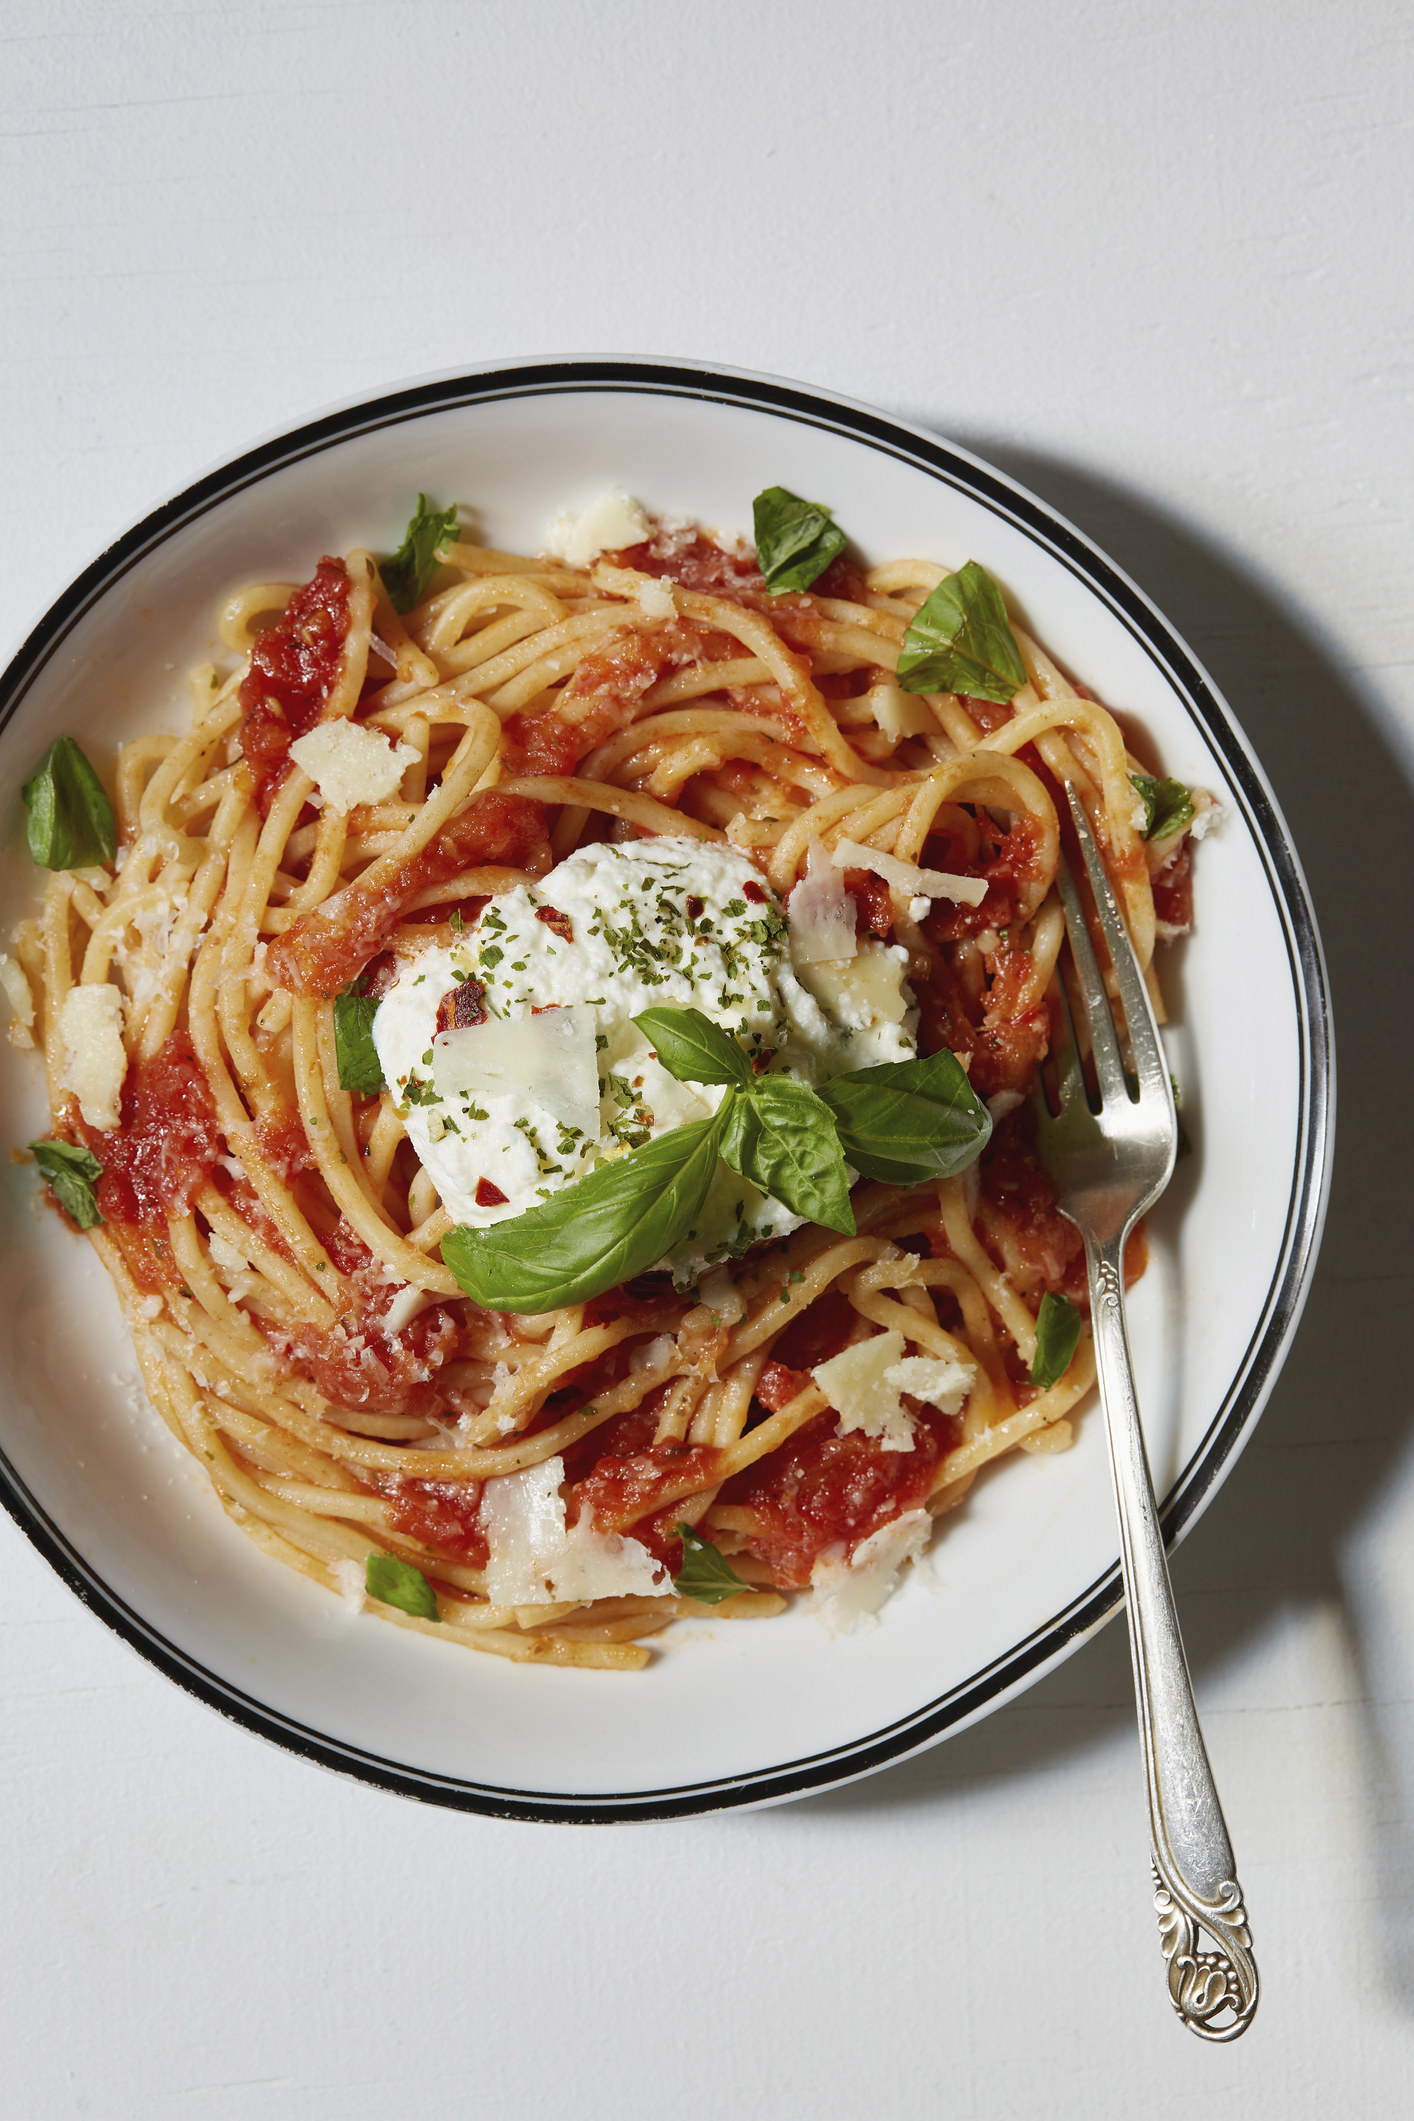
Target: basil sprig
[354, 1051]
[407, 574]
[71, 1175]
[398, 1583]
[602, 1230]
[961, 641]
[795, 540]
[1057, 1338]
[905, 1122]
[706, 1574]
[908, 1121]
[1168, 805]
[69, 820]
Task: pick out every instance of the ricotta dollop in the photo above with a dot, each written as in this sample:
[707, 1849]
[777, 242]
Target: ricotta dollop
[614, 930]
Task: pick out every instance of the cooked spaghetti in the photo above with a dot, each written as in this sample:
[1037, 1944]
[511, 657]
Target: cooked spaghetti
[273, 1233]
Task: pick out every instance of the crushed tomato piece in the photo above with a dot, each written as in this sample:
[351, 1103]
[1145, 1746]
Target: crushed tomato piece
[294, 667]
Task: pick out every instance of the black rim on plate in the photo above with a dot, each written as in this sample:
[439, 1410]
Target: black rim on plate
[1310, 1173]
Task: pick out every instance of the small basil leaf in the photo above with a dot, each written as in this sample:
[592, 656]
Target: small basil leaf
[600, 1231]
[960, 641]
[795, 540]
[69, 821]
[906, 1122]
[407, 574]
[706, 1574]
[71, 1175]
[692, 1048]
[1057, 1338]
[399, 1583]
[1168, 805]
[781, 1136]
[357, 1056]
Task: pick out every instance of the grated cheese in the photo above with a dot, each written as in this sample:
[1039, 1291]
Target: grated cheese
[409, 1303]
[533, 1560]
[350, 764]
[95, 1061]
[849, 1592]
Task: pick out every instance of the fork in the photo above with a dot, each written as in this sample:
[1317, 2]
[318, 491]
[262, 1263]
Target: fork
[1109, 1166]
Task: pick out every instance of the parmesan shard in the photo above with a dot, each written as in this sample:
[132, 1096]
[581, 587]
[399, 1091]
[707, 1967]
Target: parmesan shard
[549, 1059]
[821, 912]
[18, 993]
[609, 524]
[848, 1592]
[865, 1385]
[95, 1060]
[533, 1560]
[907, 877]
[350, 764]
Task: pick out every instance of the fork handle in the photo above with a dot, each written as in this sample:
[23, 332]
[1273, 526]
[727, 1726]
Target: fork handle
[1195, 1878]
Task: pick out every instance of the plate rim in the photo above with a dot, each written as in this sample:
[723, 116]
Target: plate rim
[1235, 1418]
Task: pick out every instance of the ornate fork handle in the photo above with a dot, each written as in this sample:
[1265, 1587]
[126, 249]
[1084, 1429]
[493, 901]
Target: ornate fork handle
[1195, 1882]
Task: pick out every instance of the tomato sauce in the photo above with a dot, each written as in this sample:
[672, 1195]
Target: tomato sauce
[1173, 891]
[974, 844]
[443, 1514]
[823, 1490]
[688, 557]
[294, 667]
[166, 1142]
[328, 947]
[601, 698]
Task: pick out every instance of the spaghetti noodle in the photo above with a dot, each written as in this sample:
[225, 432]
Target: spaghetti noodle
[275, 1240]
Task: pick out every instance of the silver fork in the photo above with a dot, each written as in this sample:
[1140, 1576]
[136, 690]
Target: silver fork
[1109, 1167]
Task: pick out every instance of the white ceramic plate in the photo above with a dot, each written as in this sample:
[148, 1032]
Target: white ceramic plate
[729, 1714]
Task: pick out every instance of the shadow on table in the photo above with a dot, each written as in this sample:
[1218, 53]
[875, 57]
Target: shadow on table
[1338, 1423]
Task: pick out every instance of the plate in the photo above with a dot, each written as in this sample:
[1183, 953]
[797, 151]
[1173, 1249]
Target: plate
[733, 1713]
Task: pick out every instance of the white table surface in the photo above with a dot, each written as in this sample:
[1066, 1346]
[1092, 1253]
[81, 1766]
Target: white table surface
[1155, 261]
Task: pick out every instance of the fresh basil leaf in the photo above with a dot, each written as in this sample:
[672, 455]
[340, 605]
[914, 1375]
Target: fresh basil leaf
[795, 540]
[357, 1056]
[1057, 1337]
[71, 1175]
[69, 821]
[961, 641]
[407, 574]
[781, 1135]
[1168, 805]
[398, 1583]
[600, 1231]
[908, 1121]
[706, 1574]
[692, 1048]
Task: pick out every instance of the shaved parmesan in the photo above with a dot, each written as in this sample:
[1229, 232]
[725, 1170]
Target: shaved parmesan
[865, 1384]
[857, 1386]
[225, 1256]
[16, 989]
[821, 912]
[350, 764]
[849, 1593]
[351, 1578]
[899, 713]
[95, 1062]
[907, 877]
[609, 524]
[548, 1059]
[533, 1560]
[864, 992]
[409, 1303]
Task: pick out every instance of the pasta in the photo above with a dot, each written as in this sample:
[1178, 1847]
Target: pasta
[273, 1234]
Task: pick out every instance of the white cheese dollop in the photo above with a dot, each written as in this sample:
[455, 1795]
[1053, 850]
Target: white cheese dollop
[533, 1560]
[350, 764]
[95, 1061]
[525, 1103]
